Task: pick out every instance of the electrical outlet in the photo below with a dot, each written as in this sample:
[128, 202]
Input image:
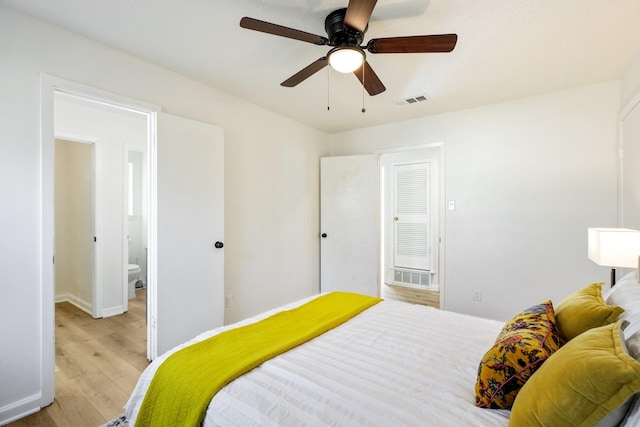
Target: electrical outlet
[228, 301]
[477, 295]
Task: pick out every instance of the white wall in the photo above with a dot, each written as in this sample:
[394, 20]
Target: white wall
[629, 134]
[630, 82]
[271, 186]
[112, 131]
[528, 178]
[630, 173]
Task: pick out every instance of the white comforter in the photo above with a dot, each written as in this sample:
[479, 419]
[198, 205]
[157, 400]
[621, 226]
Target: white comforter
[395, 364]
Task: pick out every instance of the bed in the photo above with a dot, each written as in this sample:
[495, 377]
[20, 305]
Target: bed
[393, 364]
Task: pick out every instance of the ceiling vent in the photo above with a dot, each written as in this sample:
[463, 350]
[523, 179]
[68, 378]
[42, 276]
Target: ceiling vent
[412, 100]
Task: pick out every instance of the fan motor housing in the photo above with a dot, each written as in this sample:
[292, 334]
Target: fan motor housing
[338, 34]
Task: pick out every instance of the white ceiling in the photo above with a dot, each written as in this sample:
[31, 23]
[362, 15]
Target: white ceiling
[506, 49]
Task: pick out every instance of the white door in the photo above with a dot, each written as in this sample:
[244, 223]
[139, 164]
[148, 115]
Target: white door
[190, 220]
[411, 216]
[349, 224]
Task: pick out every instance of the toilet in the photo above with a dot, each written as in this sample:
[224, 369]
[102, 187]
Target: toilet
[134, 272]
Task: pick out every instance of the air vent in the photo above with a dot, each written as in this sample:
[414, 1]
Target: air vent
[412, 100]
[411, 278]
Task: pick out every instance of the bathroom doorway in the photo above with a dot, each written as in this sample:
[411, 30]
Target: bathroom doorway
[137, 221]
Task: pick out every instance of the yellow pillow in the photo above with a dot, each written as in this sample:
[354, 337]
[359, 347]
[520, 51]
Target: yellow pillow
[584, 309]
[580, 384]
[524, 343]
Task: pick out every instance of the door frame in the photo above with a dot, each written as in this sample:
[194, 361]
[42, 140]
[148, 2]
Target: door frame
[49, 86]
[441, 146]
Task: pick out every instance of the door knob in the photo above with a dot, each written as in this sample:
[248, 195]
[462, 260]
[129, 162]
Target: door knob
[323, 235]
[218, 245]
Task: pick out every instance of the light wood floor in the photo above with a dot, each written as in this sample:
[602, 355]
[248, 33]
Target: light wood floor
[98, 362]
[415, 296]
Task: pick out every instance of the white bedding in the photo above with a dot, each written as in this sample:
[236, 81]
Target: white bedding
[395, 364]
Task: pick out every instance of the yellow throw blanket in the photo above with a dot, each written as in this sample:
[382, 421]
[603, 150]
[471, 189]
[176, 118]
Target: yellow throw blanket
[185, 383]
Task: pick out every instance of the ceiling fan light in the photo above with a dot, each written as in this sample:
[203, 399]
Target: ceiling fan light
[346, 59]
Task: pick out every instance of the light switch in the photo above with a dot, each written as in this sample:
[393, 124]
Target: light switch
[452, 205]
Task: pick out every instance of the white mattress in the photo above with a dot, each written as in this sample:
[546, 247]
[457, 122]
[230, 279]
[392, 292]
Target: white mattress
[395, 364]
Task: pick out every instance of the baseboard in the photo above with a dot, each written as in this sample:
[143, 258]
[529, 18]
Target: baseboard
[113, 311]
[86, 307]
[20, 409]
[78, 302]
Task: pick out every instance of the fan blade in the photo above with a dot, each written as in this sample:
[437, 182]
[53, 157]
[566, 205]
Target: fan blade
[371, 82]
[306, 72]
[279, 30]
[358, 14]
[413, 44]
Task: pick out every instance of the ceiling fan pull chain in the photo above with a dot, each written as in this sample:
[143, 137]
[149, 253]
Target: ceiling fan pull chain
[328, 91]
[363, 109]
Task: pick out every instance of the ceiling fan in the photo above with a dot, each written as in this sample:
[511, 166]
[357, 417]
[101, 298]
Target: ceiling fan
[345, 30]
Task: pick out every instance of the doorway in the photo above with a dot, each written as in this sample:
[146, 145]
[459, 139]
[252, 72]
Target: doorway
[186, 214]
[411, 200]
[116, 131]
[94, 185]
[137, 219]
[64, 98]
[358, 226]
[74, 224]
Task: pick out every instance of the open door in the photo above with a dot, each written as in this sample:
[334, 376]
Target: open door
[349, 224]
[189, 294]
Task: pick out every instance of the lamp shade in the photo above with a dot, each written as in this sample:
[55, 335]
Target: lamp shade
[346, 59]
[614, 247]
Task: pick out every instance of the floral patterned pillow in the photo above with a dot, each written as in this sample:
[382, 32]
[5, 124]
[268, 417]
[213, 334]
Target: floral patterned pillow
[524, 343]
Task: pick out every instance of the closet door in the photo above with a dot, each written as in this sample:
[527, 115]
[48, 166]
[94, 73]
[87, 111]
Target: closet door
[190, 222]
[411, 216]
[349, 224]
